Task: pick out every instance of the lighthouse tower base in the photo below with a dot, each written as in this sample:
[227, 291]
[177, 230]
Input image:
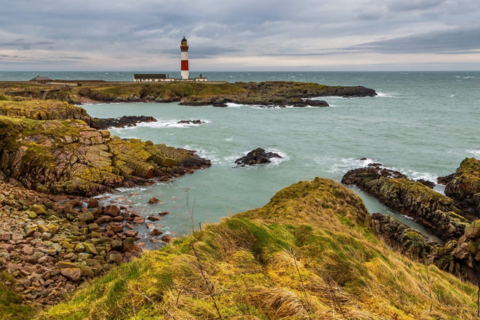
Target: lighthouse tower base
[185, 75]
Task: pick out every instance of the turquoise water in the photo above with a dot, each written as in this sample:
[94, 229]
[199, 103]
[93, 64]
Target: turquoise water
[423, 124]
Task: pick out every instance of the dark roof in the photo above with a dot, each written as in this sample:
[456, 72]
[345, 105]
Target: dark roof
[150, 76]
[184, 39]
[38, 78]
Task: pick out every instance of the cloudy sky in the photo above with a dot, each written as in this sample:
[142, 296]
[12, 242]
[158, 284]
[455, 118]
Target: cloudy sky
[245, 35]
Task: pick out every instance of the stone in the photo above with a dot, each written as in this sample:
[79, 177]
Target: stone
[164, 213]
[116, 227]
[90, 248]
[31, 214]
[131, 233]
[154, 201]
[92, 203]
[6, 236]
[103, 219]
[38, 209]
[115, 257]
[111, 210]
[93, 227]
[66, 264]
[167, 239]
[138, 220]
[30, 230]
[80, 248]
[73, 274]
[154, 218]
[46, 236]
[117, 245]
[155, 232]
[86, 217]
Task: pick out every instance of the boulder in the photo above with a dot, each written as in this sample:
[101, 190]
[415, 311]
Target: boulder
[257, 156]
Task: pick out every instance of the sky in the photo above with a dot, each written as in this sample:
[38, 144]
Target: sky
[247, 35]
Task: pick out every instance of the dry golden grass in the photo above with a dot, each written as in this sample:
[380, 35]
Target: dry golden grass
[308, 254]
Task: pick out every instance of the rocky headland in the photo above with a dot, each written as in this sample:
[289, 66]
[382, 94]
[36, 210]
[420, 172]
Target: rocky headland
[268, 94]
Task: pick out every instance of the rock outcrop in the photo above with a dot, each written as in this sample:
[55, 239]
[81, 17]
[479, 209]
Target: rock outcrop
[464, 187]
[409, 241]
[125, 121]
[257, 156]
[191, 122]
[436, 212]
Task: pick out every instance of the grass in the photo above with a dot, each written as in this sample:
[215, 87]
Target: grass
[308, 254]
[11, 306]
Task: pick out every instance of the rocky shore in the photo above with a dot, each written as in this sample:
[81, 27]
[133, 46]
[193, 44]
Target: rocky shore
[53, 156]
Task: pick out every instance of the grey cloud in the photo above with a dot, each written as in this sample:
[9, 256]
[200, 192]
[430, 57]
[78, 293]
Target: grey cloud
[24, 45]
[203, 52]
[402, 5]
[85, 31]
[440, 42]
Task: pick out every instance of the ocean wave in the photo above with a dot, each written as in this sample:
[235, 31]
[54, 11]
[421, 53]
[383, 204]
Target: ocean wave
[161, 124]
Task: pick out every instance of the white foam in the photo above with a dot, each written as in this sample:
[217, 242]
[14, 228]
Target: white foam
[407, 217]
[452, 95]
[255, 106]
[386, 95]
[474, 152]
[336, 165]
[210, 154]
[162, 124]
[229, 139]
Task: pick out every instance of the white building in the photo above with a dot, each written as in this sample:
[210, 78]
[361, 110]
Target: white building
[152, 78]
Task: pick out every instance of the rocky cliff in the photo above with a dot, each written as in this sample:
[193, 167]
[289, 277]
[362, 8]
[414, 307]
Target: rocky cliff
[50, 147]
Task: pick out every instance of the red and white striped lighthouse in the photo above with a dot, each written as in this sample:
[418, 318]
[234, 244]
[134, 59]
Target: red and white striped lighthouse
[184, 48]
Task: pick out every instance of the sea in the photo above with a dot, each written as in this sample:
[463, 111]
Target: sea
[421, 123]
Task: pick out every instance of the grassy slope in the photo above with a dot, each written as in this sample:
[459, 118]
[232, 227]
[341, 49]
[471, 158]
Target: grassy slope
[308, 254]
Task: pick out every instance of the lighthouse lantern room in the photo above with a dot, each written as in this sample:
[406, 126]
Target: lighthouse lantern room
[184, 49]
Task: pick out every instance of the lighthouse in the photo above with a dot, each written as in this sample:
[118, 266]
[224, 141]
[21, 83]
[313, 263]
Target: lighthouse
[184, 49]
